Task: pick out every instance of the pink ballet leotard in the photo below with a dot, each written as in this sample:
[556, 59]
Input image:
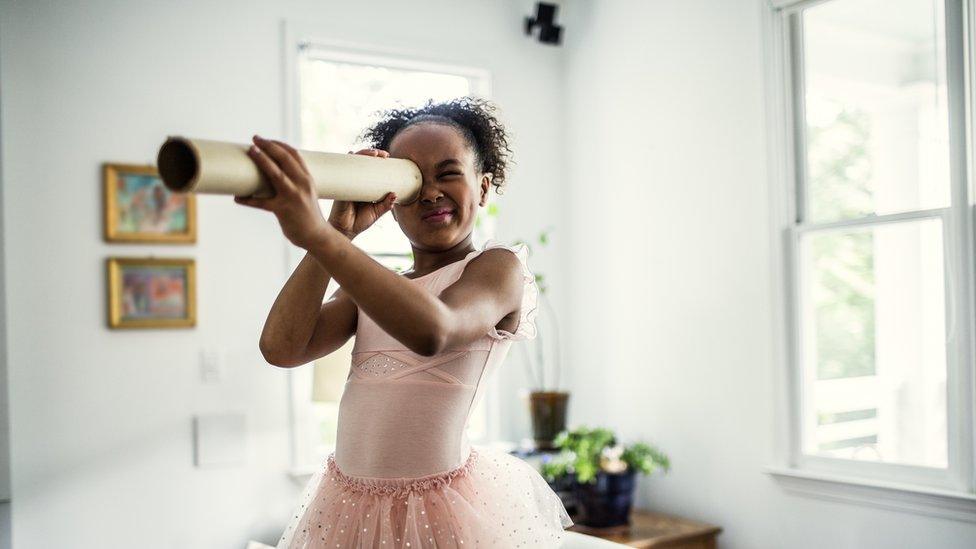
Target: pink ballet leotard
[404, 474]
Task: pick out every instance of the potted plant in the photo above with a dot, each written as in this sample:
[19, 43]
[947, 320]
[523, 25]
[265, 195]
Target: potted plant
[547, 404]
[602, 472]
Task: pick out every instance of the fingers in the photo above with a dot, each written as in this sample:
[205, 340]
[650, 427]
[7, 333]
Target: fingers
[259, 203]
[385, 205]
[373, 152]
[270, 169]
[287, 164]
[293, 152]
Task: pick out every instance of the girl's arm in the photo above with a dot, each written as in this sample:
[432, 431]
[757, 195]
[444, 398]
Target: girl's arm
[490, 288]
[299, 327]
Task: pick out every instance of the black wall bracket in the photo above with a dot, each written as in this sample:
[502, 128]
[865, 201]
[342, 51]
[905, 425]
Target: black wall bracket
[545, 19]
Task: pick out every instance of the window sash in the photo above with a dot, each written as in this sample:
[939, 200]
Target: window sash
[957, 222]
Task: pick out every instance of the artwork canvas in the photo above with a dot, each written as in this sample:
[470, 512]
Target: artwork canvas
[151, 292]
[140, 208]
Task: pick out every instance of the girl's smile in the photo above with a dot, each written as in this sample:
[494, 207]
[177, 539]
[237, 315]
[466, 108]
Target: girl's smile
[438, 216]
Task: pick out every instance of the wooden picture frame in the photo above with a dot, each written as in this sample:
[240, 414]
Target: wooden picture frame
[139, 208]
[143, 293]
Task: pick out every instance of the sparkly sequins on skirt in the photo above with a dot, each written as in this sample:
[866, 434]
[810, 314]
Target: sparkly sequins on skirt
[493, 500]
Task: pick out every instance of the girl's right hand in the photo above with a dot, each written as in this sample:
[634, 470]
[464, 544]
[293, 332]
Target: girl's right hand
[352, 218]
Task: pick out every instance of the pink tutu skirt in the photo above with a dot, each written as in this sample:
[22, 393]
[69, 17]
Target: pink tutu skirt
[492, 500]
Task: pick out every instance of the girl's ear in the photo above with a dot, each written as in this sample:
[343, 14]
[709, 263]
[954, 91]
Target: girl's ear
[485, 186]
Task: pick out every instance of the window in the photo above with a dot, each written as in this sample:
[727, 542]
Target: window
[338, 93]
[869, 134]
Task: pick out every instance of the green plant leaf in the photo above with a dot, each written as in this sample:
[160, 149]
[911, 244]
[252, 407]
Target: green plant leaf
[582, 447]
[645, 458]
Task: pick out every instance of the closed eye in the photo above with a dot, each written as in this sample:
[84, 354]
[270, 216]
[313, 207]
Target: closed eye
[447, 174]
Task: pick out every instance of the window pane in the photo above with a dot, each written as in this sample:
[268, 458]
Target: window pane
[874, 343]
[339, 100]
[876, 108]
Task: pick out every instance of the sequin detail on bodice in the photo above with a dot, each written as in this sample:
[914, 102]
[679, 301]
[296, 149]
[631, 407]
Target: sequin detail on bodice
[397, 365]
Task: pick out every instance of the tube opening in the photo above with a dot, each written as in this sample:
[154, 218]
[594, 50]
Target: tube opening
[177, 164]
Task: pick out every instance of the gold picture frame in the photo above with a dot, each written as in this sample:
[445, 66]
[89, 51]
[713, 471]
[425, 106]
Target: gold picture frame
[139, 208]
[143, 293]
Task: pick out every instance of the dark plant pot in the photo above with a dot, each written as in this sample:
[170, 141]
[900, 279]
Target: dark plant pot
[606, 502]
[548, 410]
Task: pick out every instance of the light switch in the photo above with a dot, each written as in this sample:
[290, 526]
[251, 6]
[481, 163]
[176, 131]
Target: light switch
[211, 364]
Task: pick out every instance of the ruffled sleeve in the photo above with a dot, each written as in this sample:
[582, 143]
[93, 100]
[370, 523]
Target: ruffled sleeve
[530, 295]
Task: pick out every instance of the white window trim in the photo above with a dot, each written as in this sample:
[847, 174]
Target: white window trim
[912, 489]
[298, 37]
[296, 41]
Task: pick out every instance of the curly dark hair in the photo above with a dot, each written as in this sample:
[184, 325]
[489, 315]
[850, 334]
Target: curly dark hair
[473, 117]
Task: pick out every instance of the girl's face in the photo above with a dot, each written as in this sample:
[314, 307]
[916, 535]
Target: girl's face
[451, 182]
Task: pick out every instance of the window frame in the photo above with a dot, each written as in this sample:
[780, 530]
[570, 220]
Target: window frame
[950, 492]
[300, 416]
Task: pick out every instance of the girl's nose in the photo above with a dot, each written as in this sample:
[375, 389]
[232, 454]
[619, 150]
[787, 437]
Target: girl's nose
[429, 192]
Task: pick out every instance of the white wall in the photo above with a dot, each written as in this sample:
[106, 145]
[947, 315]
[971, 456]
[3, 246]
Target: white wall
[101, 420]
[641, 140]
[670, 330]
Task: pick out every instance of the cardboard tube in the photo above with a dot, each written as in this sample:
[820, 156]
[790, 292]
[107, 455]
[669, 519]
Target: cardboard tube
[218, 167]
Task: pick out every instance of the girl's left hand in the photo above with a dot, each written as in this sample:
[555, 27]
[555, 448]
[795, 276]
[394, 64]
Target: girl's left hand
[295, 202]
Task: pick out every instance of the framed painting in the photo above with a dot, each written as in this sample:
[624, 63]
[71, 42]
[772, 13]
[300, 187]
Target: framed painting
[149, 292]
[140, 208]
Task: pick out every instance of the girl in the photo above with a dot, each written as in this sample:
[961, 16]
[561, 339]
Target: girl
[403, 473]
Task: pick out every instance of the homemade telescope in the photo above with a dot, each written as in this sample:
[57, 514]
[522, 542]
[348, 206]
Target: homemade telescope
[218, 167]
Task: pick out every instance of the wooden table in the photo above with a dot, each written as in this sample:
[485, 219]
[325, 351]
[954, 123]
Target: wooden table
[650, 529]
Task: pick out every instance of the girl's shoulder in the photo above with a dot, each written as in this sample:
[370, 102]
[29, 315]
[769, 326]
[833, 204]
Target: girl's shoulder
[528, 310]
[454, 270]
[498, 248]
[520, 250]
